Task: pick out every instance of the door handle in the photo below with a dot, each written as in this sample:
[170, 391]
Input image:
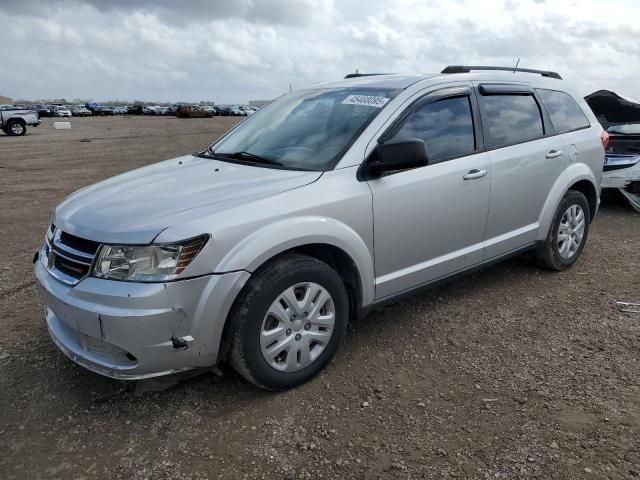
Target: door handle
[475, 173]
[554, 153]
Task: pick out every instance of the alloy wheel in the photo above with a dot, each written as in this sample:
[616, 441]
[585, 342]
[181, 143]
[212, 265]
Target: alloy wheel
[571, 231]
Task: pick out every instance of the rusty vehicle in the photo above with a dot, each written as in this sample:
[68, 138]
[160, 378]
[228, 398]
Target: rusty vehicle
[192, 111]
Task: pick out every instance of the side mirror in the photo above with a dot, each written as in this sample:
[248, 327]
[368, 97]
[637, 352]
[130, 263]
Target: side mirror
[399, 155]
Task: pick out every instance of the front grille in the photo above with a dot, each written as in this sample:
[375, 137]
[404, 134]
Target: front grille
[70, 268]
[69, 258]
[77, 243]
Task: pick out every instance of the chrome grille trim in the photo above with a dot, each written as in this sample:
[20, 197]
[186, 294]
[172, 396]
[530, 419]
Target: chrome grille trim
[56, 249]
[67, 252]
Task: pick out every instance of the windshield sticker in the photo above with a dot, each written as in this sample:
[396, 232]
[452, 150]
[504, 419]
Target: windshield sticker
[366, 100]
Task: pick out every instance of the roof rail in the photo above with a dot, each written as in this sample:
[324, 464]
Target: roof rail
[356, 75]
[467, 69]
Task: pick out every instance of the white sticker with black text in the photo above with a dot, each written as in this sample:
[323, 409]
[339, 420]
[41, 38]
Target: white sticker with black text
[366, 100]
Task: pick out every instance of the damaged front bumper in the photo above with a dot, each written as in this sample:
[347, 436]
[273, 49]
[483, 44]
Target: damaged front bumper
[623, 172]
[127, 330]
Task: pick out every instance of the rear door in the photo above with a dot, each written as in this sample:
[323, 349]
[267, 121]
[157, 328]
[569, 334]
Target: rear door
[526, 160]
[429, 222]
[583, 145]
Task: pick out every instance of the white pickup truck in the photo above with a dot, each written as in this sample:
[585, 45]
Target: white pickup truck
[14, 121]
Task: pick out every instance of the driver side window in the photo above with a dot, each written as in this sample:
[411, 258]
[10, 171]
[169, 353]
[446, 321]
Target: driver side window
[446, 126]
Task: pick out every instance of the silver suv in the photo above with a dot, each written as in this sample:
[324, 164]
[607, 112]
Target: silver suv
[321, 205]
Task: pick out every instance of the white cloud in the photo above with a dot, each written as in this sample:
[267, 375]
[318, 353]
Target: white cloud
[233, 51]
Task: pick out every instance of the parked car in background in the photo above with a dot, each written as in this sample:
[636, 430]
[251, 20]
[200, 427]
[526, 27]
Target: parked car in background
[246, 109]
[236, 110]
[329, 202]
[62, 111]
[135, 110]
[104, 111]
[43, 110]
[223, 110]
[14, 121]
[192, 111]
[80, 111]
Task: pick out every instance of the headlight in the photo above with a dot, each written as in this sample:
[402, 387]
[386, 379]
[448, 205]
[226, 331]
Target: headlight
[151, 263]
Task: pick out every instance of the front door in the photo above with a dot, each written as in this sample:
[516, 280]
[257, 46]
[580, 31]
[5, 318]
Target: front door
[429, 222]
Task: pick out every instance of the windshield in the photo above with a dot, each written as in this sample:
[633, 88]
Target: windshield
[307, 130]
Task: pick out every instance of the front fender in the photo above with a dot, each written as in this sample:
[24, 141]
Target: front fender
[278, 237]
[572, 174]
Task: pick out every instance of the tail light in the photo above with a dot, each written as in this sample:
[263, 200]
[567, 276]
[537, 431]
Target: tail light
[604, 137]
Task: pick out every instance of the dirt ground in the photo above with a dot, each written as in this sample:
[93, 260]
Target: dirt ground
[512, 372]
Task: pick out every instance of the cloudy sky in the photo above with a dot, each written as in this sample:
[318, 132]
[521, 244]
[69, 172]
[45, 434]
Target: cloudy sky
[236, 50]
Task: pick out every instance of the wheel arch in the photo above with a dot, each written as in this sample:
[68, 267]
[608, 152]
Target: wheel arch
[16, 120]
[323, 238]
[326, 240]
[588, 190]
[577, 177]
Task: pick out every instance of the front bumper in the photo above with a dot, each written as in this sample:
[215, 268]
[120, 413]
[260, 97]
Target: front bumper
[125, 330]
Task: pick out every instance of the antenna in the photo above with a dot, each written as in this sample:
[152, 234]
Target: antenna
[514, 68]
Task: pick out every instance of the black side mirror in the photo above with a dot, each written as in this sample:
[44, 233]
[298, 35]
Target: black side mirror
[398, 155]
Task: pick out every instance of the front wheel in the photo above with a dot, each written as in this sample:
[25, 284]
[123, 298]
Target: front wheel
[289, 322]
[16, 128]
[568, 232]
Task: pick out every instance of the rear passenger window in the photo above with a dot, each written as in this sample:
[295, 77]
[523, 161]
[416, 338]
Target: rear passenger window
[565, 113]
[512, 118]
[446, 126]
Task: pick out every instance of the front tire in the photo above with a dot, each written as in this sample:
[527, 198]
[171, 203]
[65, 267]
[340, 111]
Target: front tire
[16, 128]
[568, 232]
[288, 322]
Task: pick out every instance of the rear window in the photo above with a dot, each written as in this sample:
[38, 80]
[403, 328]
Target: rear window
[566, 115]
[512, 118]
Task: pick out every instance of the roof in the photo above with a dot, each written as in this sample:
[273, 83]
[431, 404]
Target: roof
[394, 80]
[402, 81]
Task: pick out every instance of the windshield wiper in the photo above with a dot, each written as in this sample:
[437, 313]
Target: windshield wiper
[252, 157]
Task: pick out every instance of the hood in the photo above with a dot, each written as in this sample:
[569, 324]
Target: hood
[136, 206]
[612, 109]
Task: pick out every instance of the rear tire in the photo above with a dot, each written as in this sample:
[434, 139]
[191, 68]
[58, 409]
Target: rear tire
[288, 322]
[16, 128]
[567, 234]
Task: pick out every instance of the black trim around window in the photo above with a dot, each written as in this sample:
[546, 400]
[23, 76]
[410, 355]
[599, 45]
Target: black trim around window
[558, 132]
[479, 115]
[433, 97]
[548, 129]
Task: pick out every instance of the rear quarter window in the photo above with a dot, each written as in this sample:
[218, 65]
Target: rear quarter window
[565, 113]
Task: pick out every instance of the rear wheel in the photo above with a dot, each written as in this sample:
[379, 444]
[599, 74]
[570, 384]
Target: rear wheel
[288, 322]
[16, 128]
[568, 232]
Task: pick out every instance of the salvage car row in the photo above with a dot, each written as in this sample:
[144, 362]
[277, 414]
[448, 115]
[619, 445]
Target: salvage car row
[96, 109]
